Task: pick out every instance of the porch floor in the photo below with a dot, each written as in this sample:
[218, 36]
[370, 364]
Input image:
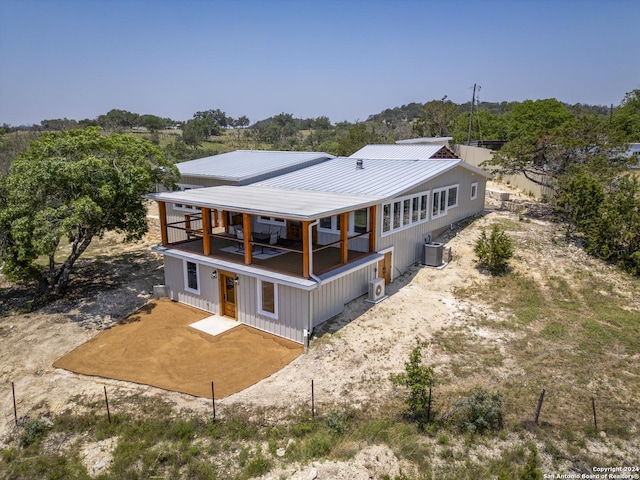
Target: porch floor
[284, 261]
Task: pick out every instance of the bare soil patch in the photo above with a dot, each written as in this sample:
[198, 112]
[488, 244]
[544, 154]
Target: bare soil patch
[155, 346]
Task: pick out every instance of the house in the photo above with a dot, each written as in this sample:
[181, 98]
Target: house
[285, 253]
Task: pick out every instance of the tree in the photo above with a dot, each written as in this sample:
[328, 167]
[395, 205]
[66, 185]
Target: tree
[418, 378]
[626, 118]
[437, 119]
[195, 131]
[75, 186]
[357, 137]
[117, 120]
[495, 250]
[152, 123]
[546, 152]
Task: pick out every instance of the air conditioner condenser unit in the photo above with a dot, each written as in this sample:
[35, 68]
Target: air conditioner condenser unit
[376, 291]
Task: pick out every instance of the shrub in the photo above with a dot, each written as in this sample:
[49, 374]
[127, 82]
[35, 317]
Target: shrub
[33, 430]
[479, 412]
[531, 470]
[418, 378]
[494, 250]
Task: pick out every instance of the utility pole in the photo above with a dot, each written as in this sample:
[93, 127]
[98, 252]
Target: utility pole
[473, 101]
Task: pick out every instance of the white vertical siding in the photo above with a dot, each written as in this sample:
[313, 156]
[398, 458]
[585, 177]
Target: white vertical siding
[207, 300]
[331, 297]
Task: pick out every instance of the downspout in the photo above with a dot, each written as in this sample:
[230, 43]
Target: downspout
[307, 333]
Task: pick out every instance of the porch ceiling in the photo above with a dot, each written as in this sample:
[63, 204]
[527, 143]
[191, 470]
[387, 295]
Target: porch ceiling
[270, 201]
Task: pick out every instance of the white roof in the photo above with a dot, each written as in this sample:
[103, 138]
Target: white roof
[269, 201]
[243, 165]
[381, 178]
[440, 140]
[404, 152]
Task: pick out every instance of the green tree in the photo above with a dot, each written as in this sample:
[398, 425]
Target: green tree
[357, 137]
[437, 119]
[418, 378]
[494, 250]
[74, 186]
[151, 122]
[196, 131]
[626, 118]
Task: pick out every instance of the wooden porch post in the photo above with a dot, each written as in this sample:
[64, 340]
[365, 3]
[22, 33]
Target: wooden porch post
[206, 230]
[344, 238]
[306, 254]
[224, 216]
[372, 228]
[162, 213]
[246, 227]
[216, 219]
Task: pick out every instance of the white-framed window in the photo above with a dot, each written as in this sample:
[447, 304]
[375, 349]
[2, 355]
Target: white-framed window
[188, 208]
[443, 199]
[404, 212]
[474, 190]
[268, 298]
[358, 222]
[272, 221]
[191, 277]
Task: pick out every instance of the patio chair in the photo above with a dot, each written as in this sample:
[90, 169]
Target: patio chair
[273, 240]
[240, 238]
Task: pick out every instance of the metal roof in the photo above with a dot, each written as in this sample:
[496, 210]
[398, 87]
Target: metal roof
[432, 140]
[398, 152]
[270, 201]
[243, 165]
[381, 178]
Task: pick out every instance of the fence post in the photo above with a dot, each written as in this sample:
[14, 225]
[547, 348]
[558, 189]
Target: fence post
[106, 400]
[595, 420]
[539, 406]
[15, 409]
[213, 401]
[313, 401]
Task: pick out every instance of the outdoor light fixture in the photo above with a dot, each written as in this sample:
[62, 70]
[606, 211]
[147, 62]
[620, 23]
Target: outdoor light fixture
[214, 274]
[237, 280]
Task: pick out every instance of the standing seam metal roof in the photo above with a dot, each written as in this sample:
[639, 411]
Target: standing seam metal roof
[398, 152]
[243, 165]
[379, 177]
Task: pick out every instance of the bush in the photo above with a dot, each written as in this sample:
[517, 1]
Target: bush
[418, 378]
[479, 412]
[494, 250]
[33, 430]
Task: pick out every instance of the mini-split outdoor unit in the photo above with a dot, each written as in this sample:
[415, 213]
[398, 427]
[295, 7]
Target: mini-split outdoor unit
[376, 290]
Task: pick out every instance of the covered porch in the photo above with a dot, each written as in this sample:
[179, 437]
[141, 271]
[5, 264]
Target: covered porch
[277, 239]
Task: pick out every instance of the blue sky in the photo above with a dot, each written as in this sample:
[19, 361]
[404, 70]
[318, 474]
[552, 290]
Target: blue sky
[344, 59]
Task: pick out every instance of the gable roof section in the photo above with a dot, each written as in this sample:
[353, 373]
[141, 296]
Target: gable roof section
[404, 152]
[381, 178]
[249, 165]
[269, 201]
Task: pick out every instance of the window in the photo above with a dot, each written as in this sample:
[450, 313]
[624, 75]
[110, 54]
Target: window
[184, 188]
[386, 217]
[191, 276]
[452, 194]
[424, 202]
[404, 212]
[358, 222]
[415, 209]
[272, 220]
[268, 298]
[444, 199]
[474, 190]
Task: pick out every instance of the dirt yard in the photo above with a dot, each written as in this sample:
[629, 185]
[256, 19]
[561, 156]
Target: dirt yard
[350, 357]
[155, 346]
